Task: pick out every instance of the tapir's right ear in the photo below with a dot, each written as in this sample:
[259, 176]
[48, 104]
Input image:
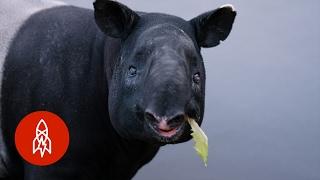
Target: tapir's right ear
[114, 19]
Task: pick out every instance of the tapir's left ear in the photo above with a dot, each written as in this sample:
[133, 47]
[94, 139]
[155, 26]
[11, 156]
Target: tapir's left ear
[214, 26]
[114, 19]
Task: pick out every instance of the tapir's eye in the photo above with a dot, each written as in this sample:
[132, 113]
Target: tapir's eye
[196, 78]
[132, 71]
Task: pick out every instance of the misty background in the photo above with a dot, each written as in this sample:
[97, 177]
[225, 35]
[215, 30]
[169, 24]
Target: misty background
[262, 113]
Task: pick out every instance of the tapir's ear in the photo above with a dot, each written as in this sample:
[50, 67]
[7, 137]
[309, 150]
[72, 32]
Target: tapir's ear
[214, 26]
[114, 19]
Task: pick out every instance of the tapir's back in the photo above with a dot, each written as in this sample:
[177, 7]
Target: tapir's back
[13, 13]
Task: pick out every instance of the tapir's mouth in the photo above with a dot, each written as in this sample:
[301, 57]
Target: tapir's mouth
[167, 134]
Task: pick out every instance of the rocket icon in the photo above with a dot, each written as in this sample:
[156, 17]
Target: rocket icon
[41, 142]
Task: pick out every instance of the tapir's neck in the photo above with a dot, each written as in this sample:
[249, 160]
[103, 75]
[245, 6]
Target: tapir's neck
[130, 156]
[126, 157]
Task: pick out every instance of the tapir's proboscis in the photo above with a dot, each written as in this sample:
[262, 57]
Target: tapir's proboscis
[124, 82]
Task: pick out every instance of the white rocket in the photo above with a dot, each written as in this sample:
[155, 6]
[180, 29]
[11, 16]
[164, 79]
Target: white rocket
[41, 142]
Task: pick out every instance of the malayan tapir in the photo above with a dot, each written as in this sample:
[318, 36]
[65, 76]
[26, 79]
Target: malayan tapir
[123, 81]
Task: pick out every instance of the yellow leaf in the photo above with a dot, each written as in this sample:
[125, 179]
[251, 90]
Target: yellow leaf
[200, 139]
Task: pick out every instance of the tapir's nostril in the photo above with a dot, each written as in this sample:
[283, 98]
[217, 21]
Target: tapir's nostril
[150, 117]
[176, 121]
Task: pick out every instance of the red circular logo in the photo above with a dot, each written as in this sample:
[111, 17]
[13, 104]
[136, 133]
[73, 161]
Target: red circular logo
[42, 138]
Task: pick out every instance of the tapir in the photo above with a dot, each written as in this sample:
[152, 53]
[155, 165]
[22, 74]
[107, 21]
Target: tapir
[123, 81]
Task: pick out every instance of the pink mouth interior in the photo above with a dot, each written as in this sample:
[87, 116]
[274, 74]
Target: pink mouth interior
[168, 133]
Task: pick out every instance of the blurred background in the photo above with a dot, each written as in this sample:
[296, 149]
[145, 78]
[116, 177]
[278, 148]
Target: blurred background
[262, 112]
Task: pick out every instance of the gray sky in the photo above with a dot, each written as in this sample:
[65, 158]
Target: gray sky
[262, 113]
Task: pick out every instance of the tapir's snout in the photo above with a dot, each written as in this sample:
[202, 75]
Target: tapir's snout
[167, 94]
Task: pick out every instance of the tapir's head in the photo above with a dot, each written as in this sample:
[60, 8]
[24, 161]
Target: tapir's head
[158, 78]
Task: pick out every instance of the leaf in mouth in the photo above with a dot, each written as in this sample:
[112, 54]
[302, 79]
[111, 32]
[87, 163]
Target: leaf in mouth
[200, 139]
